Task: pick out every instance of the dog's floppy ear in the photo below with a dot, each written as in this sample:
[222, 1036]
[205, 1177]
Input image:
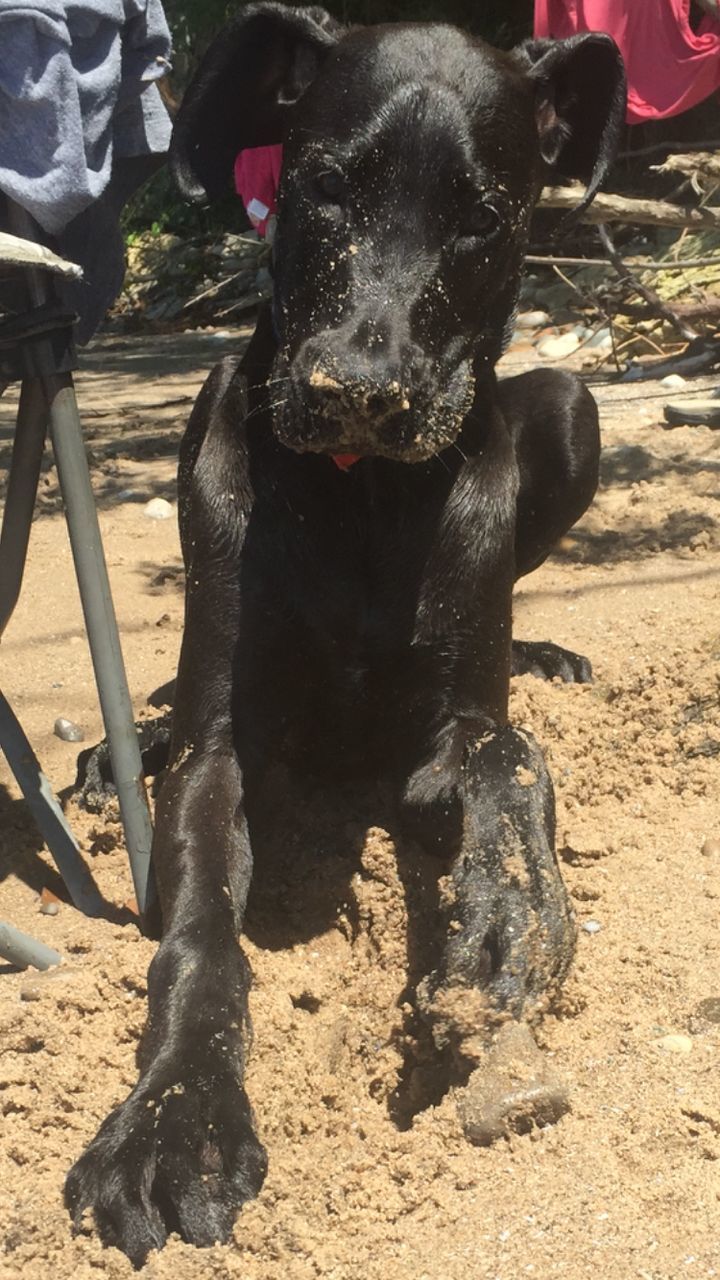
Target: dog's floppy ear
[244, 90]
[580, 104]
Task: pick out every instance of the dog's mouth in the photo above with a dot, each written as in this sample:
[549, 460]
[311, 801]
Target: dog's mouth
[320, 415]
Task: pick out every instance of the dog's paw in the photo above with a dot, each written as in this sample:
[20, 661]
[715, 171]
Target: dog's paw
[510, 928]
[548, 661]
[95, 784]
[505, 960]
[179, 1157]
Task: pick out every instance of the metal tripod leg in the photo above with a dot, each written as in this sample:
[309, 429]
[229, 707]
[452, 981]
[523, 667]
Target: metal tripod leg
[47, 813]
[14, 537]
[21, 950]
[60, 409]
[101, 625]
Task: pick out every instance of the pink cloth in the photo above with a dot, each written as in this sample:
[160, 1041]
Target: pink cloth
[257, 175]
[669, 67]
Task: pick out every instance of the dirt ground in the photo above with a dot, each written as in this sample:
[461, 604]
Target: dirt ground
[628, 1183]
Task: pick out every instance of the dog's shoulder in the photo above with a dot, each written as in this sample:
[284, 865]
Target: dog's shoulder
[216, 425]
[214, 489]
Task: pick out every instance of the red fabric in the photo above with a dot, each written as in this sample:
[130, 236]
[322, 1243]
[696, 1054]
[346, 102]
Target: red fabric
[345, 460]
[670, 68]
[257, 175]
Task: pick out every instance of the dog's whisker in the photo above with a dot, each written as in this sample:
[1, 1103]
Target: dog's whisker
[266, 408]
[439, 458]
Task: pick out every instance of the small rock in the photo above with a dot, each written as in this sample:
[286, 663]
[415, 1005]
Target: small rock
[709, 1009]
[672, 380]
[48, 983]
[600, 341]
[512, 1091]
[674, 1044]
[710, 848]
[532, 320]
[158, 509]
[556, 348]
[591, 926]
[30, 990]
[68, 730]
[127, 495]
[49, 902]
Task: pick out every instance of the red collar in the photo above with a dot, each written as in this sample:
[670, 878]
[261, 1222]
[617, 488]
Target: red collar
[345, 460]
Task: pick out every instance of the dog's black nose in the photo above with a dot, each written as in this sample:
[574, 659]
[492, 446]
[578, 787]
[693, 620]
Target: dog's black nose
[361, 392]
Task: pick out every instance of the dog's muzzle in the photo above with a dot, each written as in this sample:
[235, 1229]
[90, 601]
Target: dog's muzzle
[333, 412]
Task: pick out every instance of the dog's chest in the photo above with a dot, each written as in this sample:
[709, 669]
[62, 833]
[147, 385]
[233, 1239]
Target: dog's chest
[366, 577]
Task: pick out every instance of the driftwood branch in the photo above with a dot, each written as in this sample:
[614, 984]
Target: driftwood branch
[682, 264]
[612, 208]
[692, 162]
[700, 357]
[705, 308]
[653, 300]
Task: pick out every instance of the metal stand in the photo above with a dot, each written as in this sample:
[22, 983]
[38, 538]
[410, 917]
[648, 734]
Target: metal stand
[48, 397]
[22, 950]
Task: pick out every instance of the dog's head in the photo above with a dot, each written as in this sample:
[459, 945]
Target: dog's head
[413, 156]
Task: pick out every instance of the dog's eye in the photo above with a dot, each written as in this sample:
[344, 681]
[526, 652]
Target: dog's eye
[331, 185]
[483, 223]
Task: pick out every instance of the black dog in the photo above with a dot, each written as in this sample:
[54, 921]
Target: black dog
[357, 624]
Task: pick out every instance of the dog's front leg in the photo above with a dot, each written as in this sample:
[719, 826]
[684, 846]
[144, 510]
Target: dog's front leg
[180, 1153]
[510, 935]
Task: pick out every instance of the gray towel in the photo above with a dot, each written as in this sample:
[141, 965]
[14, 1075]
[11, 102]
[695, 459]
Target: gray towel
[82, 125]
[76, 90]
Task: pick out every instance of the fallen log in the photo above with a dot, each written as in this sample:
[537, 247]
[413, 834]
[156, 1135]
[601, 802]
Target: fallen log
[607, 207]
[701, 356]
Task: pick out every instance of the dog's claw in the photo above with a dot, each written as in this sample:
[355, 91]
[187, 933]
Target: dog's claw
[549, 661]
[179, 1158]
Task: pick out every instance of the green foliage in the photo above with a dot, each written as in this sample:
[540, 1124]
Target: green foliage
[158, 208]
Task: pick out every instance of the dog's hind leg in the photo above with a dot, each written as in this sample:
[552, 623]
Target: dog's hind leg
[553, 422]
[510, 935]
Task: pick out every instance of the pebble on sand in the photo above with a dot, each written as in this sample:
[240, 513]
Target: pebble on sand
[592, 926]
[158, 509]
[601, 341]
[532, 320]
[554, 348]
[674, 1044]
[68, 730]
[710, 848]
[49, 902]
